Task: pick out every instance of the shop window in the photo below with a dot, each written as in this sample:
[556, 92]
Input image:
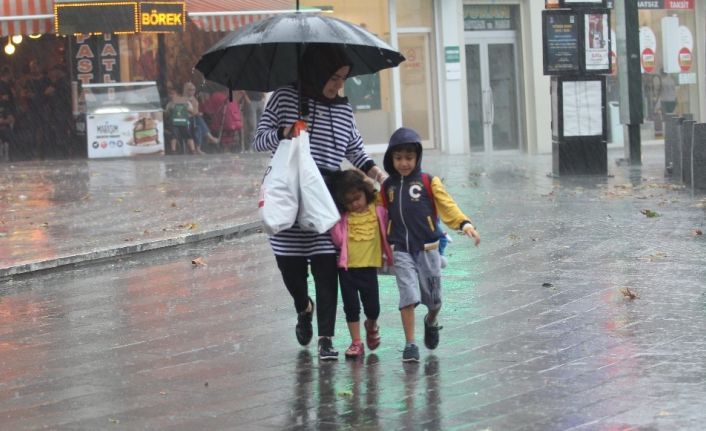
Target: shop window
[370, 95]
[668, 64]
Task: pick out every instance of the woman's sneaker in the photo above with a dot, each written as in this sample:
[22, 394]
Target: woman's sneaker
[355, 350]
[372, 335]
[431, 334]
[326, 350]
[411, 353]
[303, 330]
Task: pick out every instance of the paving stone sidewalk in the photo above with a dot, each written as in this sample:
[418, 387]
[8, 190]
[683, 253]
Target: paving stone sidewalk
[56, 213]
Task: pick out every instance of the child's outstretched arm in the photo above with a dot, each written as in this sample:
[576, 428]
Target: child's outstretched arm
[450, 213]
[470, 230]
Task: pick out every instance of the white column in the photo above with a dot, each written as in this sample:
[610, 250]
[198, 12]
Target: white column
[536, 85]
[396, 88]
[452, 87]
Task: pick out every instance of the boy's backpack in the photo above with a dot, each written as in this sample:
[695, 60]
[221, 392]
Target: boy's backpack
[180, 114]
[426, 180]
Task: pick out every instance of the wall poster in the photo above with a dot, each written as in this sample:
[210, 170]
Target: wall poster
[561, 42]
[596, 36]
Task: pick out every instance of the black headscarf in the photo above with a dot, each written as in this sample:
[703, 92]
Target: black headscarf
[317, 66]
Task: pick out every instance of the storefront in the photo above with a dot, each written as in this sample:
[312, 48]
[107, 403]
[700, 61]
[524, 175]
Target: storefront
[472, 82]
[668, 56]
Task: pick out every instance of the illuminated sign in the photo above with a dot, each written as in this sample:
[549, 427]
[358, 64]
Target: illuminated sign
[96, 17]
[161, 17]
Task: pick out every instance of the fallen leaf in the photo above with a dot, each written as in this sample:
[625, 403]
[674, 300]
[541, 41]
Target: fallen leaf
[649, 213]
[114, 421]
[628, 293]
[345, 394]
[162, 392]
[173, 204]
[698, 232]
[547, 285]
[657, 256]
[199, 261]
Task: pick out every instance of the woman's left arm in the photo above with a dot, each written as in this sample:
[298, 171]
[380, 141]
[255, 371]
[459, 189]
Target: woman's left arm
[360, 159]
[267, 134]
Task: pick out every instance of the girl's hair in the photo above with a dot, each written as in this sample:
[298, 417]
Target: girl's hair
[348, 181]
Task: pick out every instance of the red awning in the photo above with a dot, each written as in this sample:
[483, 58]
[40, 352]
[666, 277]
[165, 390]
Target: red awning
[26, 17]
[228, 15]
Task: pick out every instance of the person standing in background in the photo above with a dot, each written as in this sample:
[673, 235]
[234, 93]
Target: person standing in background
[253, 108]
[668, 94]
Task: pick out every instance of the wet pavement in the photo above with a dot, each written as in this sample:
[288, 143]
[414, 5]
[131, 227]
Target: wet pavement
[540, 331]
[63, 212]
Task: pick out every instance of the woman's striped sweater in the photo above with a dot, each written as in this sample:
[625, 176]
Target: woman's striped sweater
[333, 137]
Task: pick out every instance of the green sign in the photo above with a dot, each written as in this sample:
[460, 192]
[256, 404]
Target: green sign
[452, 54]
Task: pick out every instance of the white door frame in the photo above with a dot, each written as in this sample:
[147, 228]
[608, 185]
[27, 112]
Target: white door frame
[483, 39]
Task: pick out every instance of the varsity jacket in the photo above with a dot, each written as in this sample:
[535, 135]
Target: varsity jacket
[411, 212]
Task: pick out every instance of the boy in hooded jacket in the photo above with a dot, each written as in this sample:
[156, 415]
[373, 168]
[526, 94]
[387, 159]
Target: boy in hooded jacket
[413, 234]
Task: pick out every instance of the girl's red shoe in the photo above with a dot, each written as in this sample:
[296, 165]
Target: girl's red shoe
[372, 336]
[355, 350]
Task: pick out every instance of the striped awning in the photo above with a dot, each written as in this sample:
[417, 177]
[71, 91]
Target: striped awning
[26, 17]
[229, 15]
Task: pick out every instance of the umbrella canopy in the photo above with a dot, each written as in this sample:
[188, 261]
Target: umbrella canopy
[265, 55]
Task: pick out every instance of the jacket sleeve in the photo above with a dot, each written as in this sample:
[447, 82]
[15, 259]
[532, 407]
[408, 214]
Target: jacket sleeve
[337, 232]
[448, 210]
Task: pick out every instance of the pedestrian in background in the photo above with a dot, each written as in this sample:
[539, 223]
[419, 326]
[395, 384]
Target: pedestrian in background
[334, 137]
[362, 242]
[253, 107]
[668, 94]
[414, 199]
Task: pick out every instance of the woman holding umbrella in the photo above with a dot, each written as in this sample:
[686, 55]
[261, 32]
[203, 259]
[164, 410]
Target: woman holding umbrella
[333, 138]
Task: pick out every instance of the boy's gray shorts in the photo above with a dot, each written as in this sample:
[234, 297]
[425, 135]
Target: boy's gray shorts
[419, 278]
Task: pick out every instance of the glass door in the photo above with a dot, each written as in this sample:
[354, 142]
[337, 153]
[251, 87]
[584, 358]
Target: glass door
[493, 92]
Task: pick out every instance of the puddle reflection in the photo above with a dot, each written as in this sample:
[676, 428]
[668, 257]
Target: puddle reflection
[365, 394]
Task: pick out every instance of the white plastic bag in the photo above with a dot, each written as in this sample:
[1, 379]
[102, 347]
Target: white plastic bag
[317, 210]
[279, 192]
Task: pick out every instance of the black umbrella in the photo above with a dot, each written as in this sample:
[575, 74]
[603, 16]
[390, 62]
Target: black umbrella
[265, 55]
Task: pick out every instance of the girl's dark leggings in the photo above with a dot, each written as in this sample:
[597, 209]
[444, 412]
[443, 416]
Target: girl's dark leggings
[365, 282]
[294, 271]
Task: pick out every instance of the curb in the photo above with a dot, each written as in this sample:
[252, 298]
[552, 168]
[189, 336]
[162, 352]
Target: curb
[111, 252]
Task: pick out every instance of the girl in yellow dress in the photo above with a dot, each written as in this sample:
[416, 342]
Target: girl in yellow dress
[362, 243]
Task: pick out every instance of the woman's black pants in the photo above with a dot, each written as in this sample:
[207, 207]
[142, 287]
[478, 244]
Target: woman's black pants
[294, 271]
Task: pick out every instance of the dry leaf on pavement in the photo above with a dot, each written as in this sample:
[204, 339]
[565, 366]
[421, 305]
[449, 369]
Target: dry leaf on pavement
[649, 213]
[628, 293]
[698, 232]
[199, 261]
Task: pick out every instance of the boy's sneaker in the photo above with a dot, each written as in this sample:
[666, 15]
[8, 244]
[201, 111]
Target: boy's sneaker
[411, 353]
[372, 335]
[326, 350]
[303, 329]
[431, 334]
[355, 350]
